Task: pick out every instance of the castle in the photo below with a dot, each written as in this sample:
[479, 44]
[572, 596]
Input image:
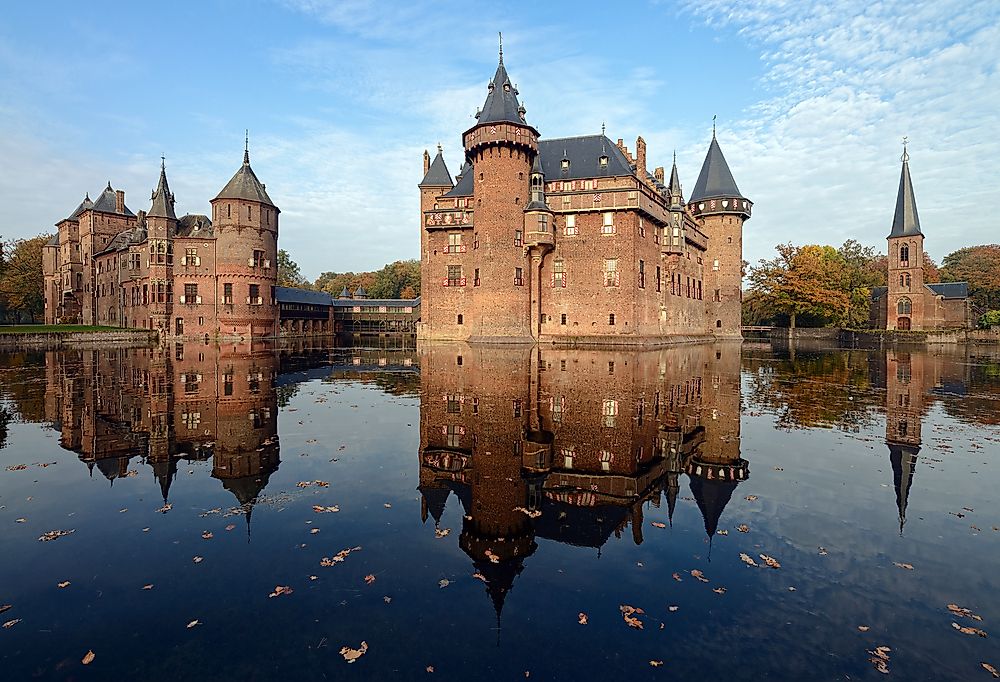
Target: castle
[192, 276]
[907, 302]
[573, 239]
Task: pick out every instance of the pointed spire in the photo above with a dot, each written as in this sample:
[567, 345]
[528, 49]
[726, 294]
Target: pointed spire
[501, 101]
[903, 459]
[674, 187]
[437, 174]
[501, 46]
[244, 183]
[715, 180]
[163, 199]
[905, 221]
[246, 148]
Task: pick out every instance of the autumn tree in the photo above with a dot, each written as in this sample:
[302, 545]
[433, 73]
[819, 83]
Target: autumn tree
[400, 279]
[863, 270]
[980, 267]
[22, 288]
[803, 280]
[289, 274]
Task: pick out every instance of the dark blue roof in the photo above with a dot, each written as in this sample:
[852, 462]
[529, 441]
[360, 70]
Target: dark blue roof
[396, 302]
[950, 289]
[294, 295]
[878, 292]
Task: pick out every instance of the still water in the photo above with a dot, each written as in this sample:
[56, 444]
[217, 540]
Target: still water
[700, 512]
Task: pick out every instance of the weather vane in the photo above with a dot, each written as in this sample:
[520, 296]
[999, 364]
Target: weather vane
[906, 155]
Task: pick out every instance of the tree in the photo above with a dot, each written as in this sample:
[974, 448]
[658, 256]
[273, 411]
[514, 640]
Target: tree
[980, 267]
[864, 269]
[400, 279]
[806, 280]
[21, 283]
[289, 274]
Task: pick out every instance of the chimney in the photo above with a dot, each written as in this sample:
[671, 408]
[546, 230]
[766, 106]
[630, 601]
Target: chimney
[640, 157]
[658, 174]
[119, 200]
[427, 162]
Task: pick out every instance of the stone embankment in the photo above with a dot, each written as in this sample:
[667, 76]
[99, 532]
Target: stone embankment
[77, 339]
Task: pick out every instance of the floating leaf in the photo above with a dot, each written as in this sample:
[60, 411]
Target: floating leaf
[656, 664]
[6, 607]
[197, 559]
[770, 561]
[444, 582]
[750, 498]
[351, 655]
[531, 514]
[387, 599]
[863, 628]
[63, 584]
[21, 520]
[968, 631]
[581, 618]
[747, 559]
[148, 587]
[11, 623]
[338, 557]
[320, 509]
[657, 524]
[88, 658]
[207, 535]
[719, 590]
[369, 579]
[880, 659]
[908, 567]
[990, 669]
[743, 528]
[165, 508]
[230, 526]
[280, 590]
[194, 623]
[429, 668]
[695, 573]
[964, 612]
[494, 558]
[677, 577]
[672, 608]
[442, 532]
[387, 505]
[629, 615]
[54, 534]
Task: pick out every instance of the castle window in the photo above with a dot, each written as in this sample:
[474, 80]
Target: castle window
[455, 243]
[904, 255]
[520, 176]
[518, 277]
[475, 278]
[611, 277]
[518, 237]
[642, 274]
[254, 298]
[567, 202]
[543, 223]
[718, 324]
[715, 265]
[611, 319]
[229, 210]
[642, 228]
[609, 410]
[559, 275]
[460, 319]
[903, 307]
[608, 225]
[480, 176]
[227, 293]
[565, 164]
[190, 295]
[603, 161]
[718, 295]
[249, 212]
[562, 321]
[658, 285]
[571, 228]
[454, 278]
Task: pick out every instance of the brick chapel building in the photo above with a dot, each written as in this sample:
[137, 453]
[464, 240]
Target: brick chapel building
[573, 239]
[192, 276]
[907, 302]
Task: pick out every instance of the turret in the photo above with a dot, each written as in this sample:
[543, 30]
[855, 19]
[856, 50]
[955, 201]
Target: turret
[720, 209]
[906, 257]
[161, 226]
[538, 224]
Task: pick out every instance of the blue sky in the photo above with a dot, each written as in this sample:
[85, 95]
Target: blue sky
[341, 99]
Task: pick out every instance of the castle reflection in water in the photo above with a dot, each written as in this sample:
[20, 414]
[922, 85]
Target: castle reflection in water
[569, 445]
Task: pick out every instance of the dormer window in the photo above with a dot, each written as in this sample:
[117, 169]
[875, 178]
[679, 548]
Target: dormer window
[604, 162]
[565, 164]
[506, 87]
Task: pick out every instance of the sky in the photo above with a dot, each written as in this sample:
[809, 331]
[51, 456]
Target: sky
[342, 97]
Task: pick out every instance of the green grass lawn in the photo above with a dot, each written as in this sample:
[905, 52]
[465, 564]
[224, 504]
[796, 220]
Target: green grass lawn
[53, 328]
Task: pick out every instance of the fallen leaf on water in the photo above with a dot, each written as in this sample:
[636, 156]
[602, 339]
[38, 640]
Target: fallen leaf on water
[21, 520]
[750, 498]
[53, 534]
[6, 607]
[193, 623]
[429, 668]
[88, 658]
[11, 623]
[968, 631]
[747, 559]
[695, 573]
[677, 577]
[628, 614]
[148, 587]
[722, 531]
[207, 535]
[908, 567]
[479, 576]
[320, 509]
[165, 508]
[280, 590]
[444, 582]
[63, 584]
[494, 558]
[958, 514]
[778, 469]
[672, 608]
[743, 528]
[369, 579]
[770, 561]
[322, 484]
[338, 557]
[822, 551]
[656, 664]
[990, 669]
[387, 505]
[351, 655]
[719, 590]
[864, 628]
[145, 530]
[441, 532]
[657, 524]
[581, 618]
[962, 611]
[314, 531]
[880, 659]
[231, 526]
[197, 559]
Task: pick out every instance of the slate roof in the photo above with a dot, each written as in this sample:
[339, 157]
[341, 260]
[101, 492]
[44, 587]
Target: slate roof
[53, 240]
[351, 302]
[163, 199]
[124, 239]
[501, 103]
[715, 179]
[878, 292]
[905, 221]
[584, 155]
[465, 184]
[245, 185]
[437, 175]
[360, 292]
[950, 289]
[84, 205]
[107, 203]
[307, 296]
[195, 225]
[675, 181]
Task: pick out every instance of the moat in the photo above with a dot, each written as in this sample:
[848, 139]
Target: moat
[250, 512]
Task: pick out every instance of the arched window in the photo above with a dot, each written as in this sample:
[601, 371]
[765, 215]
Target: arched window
[903, 307]
[904, 255]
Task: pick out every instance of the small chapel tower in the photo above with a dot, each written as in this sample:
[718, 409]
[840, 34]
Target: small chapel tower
[905, 305]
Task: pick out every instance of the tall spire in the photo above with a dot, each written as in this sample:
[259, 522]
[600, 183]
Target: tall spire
[676, 197]
[163, 198]
[501, 101]
[715, 180]
[905, 221]
[246, 148]
[501, 46]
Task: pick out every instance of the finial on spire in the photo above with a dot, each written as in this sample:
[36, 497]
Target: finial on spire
[439, 148]
[246, 147]
[906, 155]
[675, 157]
[163, 162]
[714, 116]
[501, 46]
[602, 128]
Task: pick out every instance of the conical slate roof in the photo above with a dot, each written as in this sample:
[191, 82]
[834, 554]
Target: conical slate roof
[108, 202]
[245, 185]
[674, 187]
[163, 199]
[905, 222]
[712, 498]
[501, 103]
[437, 175]
[360, 292]
[903, 459]
[715, 180]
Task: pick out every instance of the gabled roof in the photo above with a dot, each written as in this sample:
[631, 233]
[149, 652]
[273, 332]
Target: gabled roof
[905, 221]
[501, 103]
[195, 225]
[584, 154]
[245, 185]
[715, 179]
[465, 185]
[84, 205]
[307, 296]
[163, 199]
[950, 289]
[108, 203]
[437, 175]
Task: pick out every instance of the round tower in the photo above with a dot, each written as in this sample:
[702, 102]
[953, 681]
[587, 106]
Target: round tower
[720, 209]
[501, 147]
[246, 228]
